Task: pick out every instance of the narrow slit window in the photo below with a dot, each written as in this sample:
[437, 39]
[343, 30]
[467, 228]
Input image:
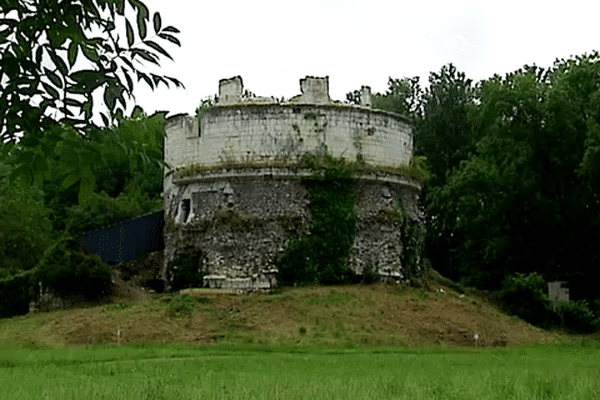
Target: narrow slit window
[185, 208]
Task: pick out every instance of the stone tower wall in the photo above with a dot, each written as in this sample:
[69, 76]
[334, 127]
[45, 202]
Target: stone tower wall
[236, 208]
[239, 221]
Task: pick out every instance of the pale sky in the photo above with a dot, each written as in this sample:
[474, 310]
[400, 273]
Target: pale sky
[274, 43]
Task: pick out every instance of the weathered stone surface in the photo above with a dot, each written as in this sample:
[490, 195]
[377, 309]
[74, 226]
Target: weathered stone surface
[145, 272]
[314, 91]
[230, 90]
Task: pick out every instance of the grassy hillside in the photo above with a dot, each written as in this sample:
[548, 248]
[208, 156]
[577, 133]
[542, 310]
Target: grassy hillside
[343, 315]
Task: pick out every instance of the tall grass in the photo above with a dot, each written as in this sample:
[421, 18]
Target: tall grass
[247, 372]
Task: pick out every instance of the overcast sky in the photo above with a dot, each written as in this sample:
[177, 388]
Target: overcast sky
[274, 43]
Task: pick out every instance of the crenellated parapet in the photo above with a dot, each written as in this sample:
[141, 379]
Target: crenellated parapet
[263, 130]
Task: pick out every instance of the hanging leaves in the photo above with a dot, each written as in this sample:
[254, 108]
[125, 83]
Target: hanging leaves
[72, 53]
[171, 29]
[39, 57]
[141, 26]
[129, 31]
[26, 58]
[51, 91]
[157, 22]
[170, 38]
[56, 81]
[158, 49]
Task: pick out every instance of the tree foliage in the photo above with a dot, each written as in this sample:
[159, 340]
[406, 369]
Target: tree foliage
[68, 269]
[514, 163]
[56, 56]
[127, 171]
[25, 228]
[526, 197]
[404, 97]
[129, 175]
[442, 131]
[525, 295]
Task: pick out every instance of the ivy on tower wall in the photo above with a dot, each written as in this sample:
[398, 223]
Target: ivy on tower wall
[320, 257]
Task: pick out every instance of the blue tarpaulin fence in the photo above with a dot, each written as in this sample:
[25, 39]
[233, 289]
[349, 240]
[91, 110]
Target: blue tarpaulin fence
[128, 240]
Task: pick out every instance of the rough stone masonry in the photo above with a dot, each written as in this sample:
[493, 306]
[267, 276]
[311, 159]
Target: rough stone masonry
[234, 191]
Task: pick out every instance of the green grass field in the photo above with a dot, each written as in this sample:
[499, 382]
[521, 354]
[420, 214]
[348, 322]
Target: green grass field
[558, 371]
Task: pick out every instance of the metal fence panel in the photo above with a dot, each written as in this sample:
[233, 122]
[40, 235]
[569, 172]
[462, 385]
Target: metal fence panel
[130, 239]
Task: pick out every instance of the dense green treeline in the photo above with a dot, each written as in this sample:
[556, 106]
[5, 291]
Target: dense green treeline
[515, 167]
[125, 163]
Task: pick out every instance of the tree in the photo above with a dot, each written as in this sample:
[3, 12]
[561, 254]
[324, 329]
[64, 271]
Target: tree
[442, 133]
[132, 175]
[25, 228]
[56, 55]
[485, 205]
[403, 97]
[574, 182]
[443, 137]
[525, 199]
[128, 170]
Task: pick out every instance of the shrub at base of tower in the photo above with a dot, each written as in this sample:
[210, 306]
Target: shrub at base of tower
[185, 272]
[576, 316]
[15, 294]
[525, 296]
[320, 257]
[181, 305]
[67, 269]
[370, 274]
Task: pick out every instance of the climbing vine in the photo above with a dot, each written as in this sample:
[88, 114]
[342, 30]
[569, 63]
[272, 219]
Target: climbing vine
[413, 240]
[320, 257]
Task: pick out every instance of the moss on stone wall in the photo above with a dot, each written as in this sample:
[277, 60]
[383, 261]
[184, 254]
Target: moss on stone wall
[415, 171]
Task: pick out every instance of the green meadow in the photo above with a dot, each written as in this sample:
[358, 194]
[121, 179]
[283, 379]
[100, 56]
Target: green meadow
[556, 371]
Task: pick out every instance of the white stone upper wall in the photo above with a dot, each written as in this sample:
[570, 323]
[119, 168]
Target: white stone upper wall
[257, 133]
[241, 130]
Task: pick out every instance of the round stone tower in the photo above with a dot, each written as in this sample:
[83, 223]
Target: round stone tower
[235, 189]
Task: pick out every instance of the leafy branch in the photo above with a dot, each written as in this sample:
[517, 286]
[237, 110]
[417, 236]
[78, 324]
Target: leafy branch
[56, 54]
